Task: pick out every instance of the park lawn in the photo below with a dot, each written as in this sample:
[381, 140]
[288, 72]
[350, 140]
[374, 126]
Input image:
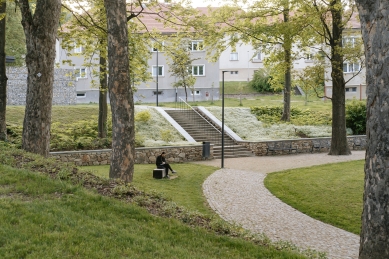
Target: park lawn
[43, 217]
[185, 190]
[331, 193]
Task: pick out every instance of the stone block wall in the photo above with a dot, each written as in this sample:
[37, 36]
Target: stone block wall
[178, 154]
[64, 89]
[303, 145]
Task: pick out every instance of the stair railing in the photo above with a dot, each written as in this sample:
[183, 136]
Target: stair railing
[212, 134]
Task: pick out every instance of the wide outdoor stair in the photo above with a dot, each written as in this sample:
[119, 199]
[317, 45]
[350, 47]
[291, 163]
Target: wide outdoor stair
[202, 130]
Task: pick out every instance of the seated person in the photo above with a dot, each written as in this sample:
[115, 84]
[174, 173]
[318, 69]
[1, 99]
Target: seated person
[161, 163]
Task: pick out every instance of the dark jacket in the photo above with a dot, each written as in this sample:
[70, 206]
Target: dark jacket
[160, 159]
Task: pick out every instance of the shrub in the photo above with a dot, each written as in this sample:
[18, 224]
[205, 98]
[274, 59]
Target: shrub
[356, 116]
[143, 116]
[272, 115]
[166, 135]
[260, 82]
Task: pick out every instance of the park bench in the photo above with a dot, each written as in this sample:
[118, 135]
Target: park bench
[280, 146]
[319, 144]
[359, 143]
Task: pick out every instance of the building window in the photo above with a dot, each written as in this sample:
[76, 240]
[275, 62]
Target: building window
[234, 72]
[81, 95]
[80, 73]
[351, 67]
[234, 56]
[195, 92]
[78, 49]
[197, 70]
[196, 45]
[351, 89]
[159, 92]
[308, 56]
[349, 41]
[257, 57]
[160, 71]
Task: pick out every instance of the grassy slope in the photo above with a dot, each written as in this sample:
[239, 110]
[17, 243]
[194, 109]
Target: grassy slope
[46, 218]
[331, 193]
[186, 190]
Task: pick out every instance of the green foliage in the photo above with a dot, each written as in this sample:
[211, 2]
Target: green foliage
[15, 40]
[260, 82]
[166, 135]
[356, 116]
[143, 116]
[272, 115]
[139, 140]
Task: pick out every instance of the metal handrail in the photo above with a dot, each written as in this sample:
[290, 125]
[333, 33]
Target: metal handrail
[200, 115]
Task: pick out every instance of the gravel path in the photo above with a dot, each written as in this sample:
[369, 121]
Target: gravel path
[238, 195]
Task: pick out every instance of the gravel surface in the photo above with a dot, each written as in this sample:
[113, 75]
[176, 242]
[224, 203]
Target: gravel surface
[238, 195]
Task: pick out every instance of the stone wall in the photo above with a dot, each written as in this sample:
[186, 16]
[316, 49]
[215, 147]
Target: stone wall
[302, 145]
[64, 89]
[177, 154]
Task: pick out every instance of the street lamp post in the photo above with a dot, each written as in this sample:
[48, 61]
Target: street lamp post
[222, 166]
[157, 70]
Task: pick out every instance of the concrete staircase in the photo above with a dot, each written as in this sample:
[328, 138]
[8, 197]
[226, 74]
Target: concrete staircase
[202, 130]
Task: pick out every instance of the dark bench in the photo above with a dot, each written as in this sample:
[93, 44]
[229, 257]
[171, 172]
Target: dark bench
[359, 143]
[319, 144]
[280, 146]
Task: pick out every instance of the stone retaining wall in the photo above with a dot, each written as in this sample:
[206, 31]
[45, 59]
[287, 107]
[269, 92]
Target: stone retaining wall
[177, 154]
[64, 89]
[303, 145]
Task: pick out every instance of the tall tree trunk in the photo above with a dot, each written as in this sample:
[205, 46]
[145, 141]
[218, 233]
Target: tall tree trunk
[103, 109]
[374, 242]
[287, 77]
[3, 77]
[40, 29]
[120, 92]
[339, 145]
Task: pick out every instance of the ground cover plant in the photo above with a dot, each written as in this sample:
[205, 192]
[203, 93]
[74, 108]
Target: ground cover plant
[331, 193]
[75, 128]
[246, 124]
[48, 213]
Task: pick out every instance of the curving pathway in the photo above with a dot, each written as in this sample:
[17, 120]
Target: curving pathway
[238, 195]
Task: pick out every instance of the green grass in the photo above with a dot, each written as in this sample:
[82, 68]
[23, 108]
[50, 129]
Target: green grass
[231, 87]
[47, 218]
[330, 193]
[186, 190]
[262, 100]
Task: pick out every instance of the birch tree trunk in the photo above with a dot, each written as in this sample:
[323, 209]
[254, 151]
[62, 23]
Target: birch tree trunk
[374, 242]
[120, 92]
[40, 29]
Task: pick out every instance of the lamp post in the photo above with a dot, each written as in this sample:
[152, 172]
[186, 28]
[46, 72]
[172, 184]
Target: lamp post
[157, 70]
[222, 166]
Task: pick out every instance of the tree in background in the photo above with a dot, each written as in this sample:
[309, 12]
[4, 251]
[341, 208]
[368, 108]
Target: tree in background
[310, 80]
[12, 43]
[40, 27]
[3, 74]
[270, 27]
[374, 241]
[181, 65]
[15, 39]
[331, 26]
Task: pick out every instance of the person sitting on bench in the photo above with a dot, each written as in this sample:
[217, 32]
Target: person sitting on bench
[161, 163]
